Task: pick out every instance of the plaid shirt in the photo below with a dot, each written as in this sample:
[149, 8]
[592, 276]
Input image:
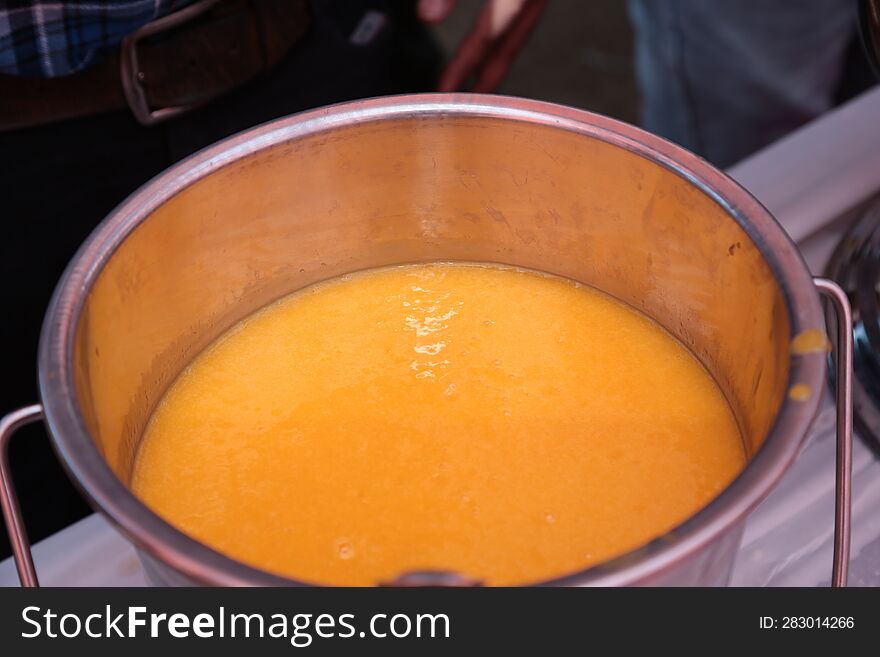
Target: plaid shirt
[46, 38]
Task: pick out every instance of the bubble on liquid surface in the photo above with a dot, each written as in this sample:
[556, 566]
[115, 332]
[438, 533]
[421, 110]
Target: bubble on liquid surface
[344, 549]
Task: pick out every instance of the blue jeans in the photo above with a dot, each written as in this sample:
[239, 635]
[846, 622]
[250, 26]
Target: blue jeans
[725, 77]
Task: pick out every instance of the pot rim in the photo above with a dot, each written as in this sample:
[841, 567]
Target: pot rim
[90, 472]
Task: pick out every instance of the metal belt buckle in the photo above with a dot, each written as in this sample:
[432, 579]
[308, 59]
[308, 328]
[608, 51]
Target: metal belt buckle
[129, 68]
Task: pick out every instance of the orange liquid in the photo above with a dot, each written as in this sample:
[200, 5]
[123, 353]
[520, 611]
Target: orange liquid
[508, 425]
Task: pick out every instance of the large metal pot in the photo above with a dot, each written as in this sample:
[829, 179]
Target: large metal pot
[452, 177]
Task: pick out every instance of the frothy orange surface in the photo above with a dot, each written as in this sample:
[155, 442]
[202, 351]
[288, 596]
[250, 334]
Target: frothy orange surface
[505, 424]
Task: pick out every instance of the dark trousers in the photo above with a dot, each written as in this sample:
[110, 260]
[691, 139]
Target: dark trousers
[58, 181]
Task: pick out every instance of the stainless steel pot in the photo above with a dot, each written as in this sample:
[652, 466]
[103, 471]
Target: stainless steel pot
[452, 177]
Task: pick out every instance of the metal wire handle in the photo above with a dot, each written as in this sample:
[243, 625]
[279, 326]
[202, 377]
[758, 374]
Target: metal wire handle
[843, 384]
[21, 548]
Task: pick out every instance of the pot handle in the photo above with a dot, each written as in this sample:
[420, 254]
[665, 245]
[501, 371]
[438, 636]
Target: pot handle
[21, 549]
[843, 385]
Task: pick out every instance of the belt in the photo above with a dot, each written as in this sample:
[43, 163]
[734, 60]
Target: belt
[167, 67]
